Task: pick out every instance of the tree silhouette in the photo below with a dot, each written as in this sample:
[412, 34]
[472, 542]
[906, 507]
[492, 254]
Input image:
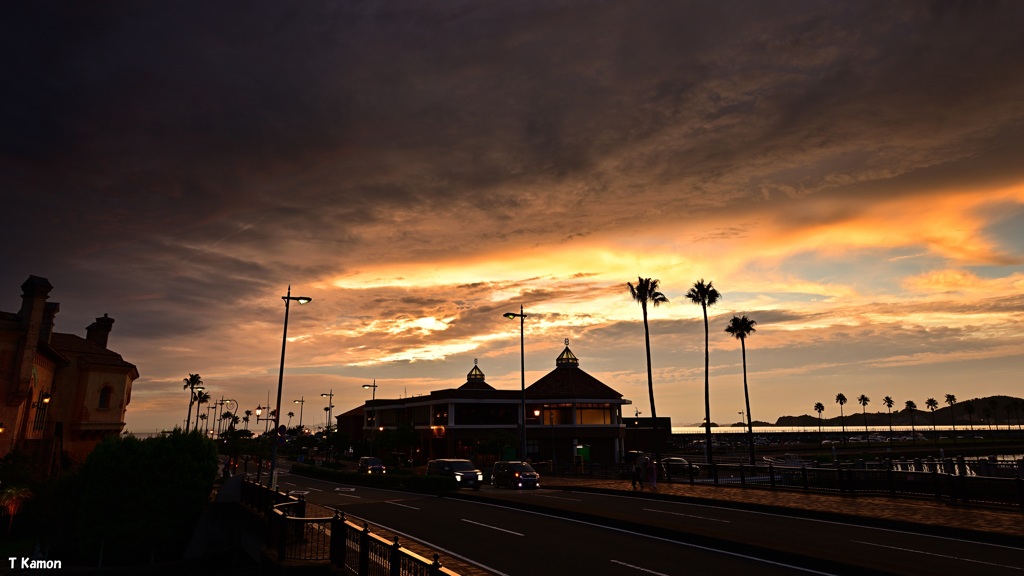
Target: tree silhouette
[951, 399]
[819, 408]
[740, 328]
[191, 383]
[888, 401]
[932, 404]
[646, 292]
[202, 397]
[969, 409]
[911, 406]
[841, 400]
[705, 295]
[863, 401]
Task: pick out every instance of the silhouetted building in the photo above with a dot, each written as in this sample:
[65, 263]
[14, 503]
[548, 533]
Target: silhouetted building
[569, 414]
[60, 394]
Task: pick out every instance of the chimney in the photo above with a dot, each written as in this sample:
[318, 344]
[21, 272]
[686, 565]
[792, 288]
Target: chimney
[34, 293]
[98, 331]
[49, 319]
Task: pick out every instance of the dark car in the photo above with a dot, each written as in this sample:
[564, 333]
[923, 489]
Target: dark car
[371, 465]
[514, 474]
[464, 472]
[678, 467]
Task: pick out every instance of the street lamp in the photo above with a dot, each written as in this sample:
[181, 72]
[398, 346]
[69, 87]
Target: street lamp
[329, 409]
[280, 382]
[522, 371]
[269, 418]
[301, 402]
[373, 398]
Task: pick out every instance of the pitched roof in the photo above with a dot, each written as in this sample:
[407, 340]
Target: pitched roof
[567, 380]
[70, 345]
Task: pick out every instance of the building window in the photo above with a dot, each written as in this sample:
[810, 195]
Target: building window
[105, 395]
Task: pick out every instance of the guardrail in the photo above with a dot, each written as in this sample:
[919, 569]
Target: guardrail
[335, 539]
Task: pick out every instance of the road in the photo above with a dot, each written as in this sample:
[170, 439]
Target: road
[537, 532]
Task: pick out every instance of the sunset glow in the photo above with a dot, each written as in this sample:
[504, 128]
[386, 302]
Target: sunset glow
[859, 195]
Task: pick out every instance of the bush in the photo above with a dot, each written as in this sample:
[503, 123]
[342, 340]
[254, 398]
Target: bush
[140, 500]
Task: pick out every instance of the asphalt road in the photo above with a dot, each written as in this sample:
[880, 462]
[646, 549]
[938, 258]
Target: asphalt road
[538, 532]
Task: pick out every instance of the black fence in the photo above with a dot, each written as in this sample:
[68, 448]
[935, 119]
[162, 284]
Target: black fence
[334, 539]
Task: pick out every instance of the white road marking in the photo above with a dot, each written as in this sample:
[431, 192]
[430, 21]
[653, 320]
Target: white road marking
[493, 527]
[638, 568]
[687, 515]
[936, 555]
[558, 497]
[400, 504]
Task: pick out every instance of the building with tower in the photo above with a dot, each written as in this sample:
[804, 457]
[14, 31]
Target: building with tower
[60, 394]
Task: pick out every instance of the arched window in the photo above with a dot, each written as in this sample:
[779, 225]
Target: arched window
[105, 395]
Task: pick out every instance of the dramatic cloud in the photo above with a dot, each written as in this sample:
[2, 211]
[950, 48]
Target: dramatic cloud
[848, 175]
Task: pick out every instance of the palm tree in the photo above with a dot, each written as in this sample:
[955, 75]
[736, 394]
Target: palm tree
[911, 406]
[290, 416]
[203, 418]
[740, 328]
[841, 399]
[705, 295]
[951, 399]
[226, 417]
[863, 401]
[646, 292]
[819, 408]
[986, 413]
[11, 500]
[888, 401]
[202, 397]
[248, 414]
[191, 383]
[994, 405]
[932, 404]
[969, 409]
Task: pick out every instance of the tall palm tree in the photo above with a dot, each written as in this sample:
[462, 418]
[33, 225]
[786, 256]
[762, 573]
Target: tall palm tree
[203, 418]
[191, 383]
[290, 416]
[911, 406]
[994, 405]
[986, 413]
[646, 292]
[705, 295]
[932, 404]
[740, 328]
[888, 401]
[841, 399]
[951, 399]
[863, 401]
[248, 414]
[969, 409]
[202, 397]
[819, 408]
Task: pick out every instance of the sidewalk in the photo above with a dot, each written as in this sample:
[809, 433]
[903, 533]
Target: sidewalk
[1008, 522]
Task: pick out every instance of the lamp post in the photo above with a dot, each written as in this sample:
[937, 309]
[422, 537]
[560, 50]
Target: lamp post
[280, 382]
[522, 371]
[329, 409]
[301, 402]
[373, 398]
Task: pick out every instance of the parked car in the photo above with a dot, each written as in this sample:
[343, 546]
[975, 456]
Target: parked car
[514, 474]
[371, 465]
[679, 467]
[464, 472]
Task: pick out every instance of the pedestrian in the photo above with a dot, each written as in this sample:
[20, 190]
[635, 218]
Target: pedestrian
[636, 471]
[652, 473]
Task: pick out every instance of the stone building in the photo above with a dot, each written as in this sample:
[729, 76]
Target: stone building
[60, 394]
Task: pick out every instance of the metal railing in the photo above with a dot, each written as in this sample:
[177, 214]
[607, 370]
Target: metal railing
[336, 539]
[954, 480]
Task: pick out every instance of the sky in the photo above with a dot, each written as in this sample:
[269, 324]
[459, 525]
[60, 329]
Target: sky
[847, 174]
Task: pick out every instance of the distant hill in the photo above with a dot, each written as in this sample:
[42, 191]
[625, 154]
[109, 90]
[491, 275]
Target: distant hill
[992, 410]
